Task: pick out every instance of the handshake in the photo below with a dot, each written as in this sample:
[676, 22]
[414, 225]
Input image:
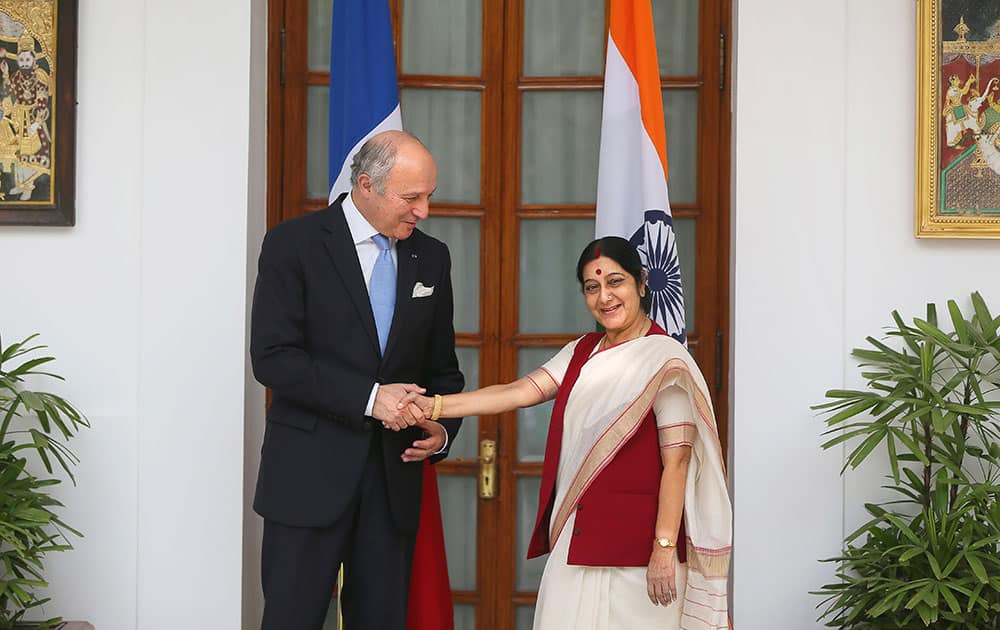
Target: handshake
[402, 405]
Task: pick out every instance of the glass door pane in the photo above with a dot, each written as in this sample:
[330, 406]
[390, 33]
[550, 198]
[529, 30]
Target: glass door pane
[528, 574]
[687, 248]
[457, 494]
[524, 617]
[466, 445]
[563, 37]
[317, 141]
[465, 617]
[551, 300]
[680, 112]
[676, 26]
[533, 422]
[560, 144]
[443, 37]
[449, 123]
[320, 18]
[462, 237]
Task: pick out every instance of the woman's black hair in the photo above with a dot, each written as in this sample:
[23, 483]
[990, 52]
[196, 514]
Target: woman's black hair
[622, 252]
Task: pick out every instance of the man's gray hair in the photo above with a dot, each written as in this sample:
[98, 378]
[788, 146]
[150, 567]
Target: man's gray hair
[377, 156]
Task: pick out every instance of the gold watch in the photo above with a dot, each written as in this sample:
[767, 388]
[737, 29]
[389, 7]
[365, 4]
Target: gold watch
[663, 543]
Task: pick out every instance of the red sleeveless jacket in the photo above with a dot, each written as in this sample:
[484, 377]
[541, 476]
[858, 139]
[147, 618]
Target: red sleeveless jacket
[616, 515]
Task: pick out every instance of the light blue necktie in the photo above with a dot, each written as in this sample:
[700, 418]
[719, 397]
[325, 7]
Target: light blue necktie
[382, 291]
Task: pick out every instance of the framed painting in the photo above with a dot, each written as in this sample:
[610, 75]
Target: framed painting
[38, 112]
[958, 119]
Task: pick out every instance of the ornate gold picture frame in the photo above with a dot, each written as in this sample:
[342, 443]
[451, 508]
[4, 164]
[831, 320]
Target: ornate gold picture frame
[958, 119]
[38, 112]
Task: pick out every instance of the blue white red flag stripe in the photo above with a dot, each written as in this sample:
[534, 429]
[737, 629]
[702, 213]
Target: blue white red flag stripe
[364, 96]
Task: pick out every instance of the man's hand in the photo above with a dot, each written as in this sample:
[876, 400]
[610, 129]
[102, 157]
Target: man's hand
[386, 407]
[432, 443]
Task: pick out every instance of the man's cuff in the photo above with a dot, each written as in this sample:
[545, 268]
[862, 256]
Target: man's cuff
[371, 404]
[445, 447]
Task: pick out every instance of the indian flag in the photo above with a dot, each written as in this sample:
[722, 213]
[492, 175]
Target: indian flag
[632, 176]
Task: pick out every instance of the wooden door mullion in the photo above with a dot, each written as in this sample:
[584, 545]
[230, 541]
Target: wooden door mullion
[396, 17]
[491, 76]
[512, 63]
[702, 295]
[276, 136]
[723, 118]
[711, 254]
[296, 49]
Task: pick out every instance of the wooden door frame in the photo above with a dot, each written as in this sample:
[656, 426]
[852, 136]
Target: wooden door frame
[499, 309]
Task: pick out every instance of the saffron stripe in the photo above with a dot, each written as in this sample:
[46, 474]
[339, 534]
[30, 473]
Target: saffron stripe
[631, 29]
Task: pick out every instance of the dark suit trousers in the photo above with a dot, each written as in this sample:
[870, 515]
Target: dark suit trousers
[299, 564]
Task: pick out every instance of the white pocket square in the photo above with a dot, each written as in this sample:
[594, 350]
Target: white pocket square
[420, 291]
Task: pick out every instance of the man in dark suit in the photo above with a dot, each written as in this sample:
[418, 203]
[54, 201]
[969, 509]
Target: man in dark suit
[352, 307]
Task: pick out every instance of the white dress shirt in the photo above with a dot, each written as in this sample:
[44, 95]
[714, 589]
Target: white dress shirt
[362, 233]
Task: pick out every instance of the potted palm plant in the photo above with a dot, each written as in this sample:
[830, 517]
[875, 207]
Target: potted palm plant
[34, 426]
[931, 557]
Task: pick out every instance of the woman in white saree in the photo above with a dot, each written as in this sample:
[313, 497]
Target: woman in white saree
[633, 440]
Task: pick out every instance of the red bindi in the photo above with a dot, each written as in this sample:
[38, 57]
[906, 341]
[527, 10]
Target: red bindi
[598, 272]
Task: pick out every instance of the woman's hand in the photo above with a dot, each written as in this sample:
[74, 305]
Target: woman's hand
[661, 576]
[424, 403]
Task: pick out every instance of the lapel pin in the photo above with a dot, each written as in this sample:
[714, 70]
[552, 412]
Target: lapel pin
[413, 255]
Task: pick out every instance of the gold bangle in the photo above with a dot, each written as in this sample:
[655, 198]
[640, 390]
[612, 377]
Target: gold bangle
[438, 403]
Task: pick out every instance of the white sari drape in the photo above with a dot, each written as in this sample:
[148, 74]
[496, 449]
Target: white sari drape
[615, 390]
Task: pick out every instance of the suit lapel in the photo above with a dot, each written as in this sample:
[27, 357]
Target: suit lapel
[407, 261]
[342, 250]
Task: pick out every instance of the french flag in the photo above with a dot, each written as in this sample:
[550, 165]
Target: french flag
[364, 97]
[364, 101]
[632, 171]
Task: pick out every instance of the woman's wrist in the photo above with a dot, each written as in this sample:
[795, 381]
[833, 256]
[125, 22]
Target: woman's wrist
[665, 542]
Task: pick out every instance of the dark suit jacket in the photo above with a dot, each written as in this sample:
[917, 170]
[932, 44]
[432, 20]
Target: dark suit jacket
[313, 342]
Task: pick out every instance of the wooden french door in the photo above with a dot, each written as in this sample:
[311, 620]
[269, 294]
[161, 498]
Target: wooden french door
[507, 95]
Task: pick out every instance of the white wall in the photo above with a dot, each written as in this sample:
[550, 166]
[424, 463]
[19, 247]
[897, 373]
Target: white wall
[144, 304]
[823, 250]
[253, 525]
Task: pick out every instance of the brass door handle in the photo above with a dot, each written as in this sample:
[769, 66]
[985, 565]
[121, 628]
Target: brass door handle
[487, 469]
